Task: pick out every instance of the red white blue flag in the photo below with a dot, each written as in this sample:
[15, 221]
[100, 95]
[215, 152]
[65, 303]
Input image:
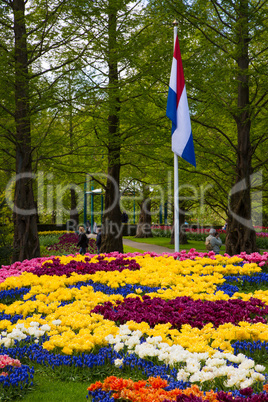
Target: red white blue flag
[178, 110]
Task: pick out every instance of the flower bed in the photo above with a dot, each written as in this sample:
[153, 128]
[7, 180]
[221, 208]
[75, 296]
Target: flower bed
[67, 244]
[167, 328]
[15, 378]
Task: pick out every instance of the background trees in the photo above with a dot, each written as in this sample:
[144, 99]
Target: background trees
[225, 72]
[84, 89]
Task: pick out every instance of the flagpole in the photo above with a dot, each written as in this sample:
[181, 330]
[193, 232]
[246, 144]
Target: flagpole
[176, 182]
[182, 137]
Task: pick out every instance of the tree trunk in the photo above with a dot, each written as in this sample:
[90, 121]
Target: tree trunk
[53, 217]
[111, 239]
[26, 241]
[240, 232]
[74, 216]
[145, 220]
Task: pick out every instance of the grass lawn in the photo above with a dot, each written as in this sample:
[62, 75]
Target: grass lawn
[128, 249]
[159, 241]
[164, 242]
[46, 388]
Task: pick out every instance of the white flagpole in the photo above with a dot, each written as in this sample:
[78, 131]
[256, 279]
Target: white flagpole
[176, 205]
[176, 182]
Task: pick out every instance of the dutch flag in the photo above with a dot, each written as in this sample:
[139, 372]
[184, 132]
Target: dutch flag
[178, 111]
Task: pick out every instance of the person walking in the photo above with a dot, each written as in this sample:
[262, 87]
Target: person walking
[82, 240]
[213, 241]
[124, 217]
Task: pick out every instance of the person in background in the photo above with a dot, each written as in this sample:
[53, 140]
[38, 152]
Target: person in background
[216, 243]
[82, 240]
[98, 240]
[214, 240]
[124, 217]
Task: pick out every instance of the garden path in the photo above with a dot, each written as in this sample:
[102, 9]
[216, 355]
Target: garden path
[147, 247]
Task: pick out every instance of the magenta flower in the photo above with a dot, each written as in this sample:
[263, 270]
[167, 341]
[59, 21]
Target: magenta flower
[54, 267]
[184, 310]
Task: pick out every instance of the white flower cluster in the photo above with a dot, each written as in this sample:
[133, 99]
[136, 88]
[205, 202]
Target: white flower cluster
[197, 367]
[119, 362]
[20, 332]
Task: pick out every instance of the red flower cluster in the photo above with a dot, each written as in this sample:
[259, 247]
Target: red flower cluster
[151, 390]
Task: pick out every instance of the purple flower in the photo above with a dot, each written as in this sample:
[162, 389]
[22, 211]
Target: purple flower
[184, 310]
[56, 268]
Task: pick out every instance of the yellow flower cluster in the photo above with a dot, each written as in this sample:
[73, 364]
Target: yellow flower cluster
[82, 331]
[65, 259]
[258, 294]
[207, 339]
[166, 272]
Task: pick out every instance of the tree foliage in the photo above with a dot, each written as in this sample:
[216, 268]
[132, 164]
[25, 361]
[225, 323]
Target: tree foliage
[225, 69]
[84, 88]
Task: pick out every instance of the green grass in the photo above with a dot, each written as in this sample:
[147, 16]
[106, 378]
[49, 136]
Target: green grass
[49, 389]
[158, 241]
[128, 249]
[165, 242]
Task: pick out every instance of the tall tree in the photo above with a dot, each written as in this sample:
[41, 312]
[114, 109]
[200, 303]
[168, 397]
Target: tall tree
[32, 33]
[117, 30]
[111, 236]
[225, 72]
[240, 232]
[26, 241]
